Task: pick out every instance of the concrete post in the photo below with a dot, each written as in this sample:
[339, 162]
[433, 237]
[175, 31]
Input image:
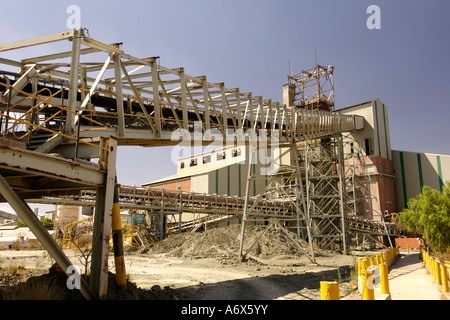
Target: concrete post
[444, 277]
[367, 278]
[329, 290]
[438, 272]
[384, 276]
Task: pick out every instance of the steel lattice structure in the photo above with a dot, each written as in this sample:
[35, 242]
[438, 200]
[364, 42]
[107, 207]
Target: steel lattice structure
[62, 110]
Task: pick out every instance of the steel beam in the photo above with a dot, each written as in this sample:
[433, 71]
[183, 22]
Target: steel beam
[73, 82]
[119, 97]
[156, 98]
[37, 40]
[23, 81]
[39, 164]
[103, 223]
[27, 215]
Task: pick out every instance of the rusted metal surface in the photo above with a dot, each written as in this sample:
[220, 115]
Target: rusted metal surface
[50, 166]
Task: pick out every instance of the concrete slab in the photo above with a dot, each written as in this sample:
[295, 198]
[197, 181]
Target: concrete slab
[409, 280]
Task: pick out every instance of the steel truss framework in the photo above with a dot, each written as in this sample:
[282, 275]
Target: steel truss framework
[83, 101]
[325, 191]
[285, 186]
[136, 100]
[313, 88]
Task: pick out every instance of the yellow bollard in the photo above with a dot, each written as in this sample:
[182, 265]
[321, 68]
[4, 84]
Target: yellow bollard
[444, 277]
[372, 260]
[366, 263]
[329, 290]
[378, 260]
[425, 260]
[384, 277]
[436, 269]
[361, 268]
[367, 283]
[438, 273]
[360, 265]
[432, 267]
[407, 249]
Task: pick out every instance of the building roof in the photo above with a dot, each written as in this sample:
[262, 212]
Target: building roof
[355, 105]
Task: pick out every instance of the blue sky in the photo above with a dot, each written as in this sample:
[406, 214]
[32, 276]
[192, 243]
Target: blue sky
[249, 43]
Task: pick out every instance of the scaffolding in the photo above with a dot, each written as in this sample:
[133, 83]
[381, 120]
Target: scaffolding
[285, 187]
[313, 88]
[325, 191]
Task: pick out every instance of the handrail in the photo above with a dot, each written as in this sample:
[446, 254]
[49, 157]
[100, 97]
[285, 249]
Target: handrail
[47, 101]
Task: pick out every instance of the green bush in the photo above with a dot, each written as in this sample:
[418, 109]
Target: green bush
[46, 222]
[429, 214]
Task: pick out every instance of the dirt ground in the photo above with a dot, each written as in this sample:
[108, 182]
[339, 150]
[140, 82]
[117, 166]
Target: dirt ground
[204, 266]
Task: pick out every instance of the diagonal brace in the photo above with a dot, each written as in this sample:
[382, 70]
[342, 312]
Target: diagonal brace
[28, 216]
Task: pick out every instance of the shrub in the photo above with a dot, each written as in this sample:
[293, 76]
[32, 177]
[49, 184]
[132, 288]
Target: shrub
[429, 214]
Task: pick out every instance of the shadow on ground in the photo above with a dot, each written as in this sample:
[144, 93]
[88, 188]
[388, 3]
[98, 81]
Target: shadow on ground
[290, 286]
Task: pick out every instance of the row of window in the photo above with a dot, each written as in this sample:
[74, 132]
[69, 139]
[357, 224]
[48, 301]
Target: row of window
[367, 147]
[207, 159]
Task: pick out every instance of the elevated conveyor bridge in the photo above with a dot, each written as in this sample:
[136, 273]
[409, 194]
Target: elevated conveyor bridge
[84, 98]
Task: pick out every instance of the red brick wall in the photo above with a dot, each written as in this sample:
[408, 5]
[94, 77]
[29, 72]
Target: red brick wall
[412, 243]
[382, 187]
[183, 184]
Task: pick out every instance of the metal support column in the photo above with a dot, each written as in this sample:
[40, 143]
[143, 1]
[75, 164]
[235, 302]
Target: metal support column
[73, 83]
[301, 193]
[252, 154]
[342, 198]
[27, 215]
[102, 224]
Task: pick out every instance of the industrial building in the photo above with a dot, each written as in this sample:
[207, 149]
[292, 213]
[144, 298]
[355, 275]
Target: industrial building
[221, 171]
[386, 178]
[329, 175]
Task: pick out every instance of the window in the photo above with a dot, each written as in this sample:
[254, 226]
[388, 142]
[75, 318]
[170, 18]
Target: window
[236, 152]
[193, 162]
[221, 155]
[367, 146]
[207, 159]
[182, 165]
